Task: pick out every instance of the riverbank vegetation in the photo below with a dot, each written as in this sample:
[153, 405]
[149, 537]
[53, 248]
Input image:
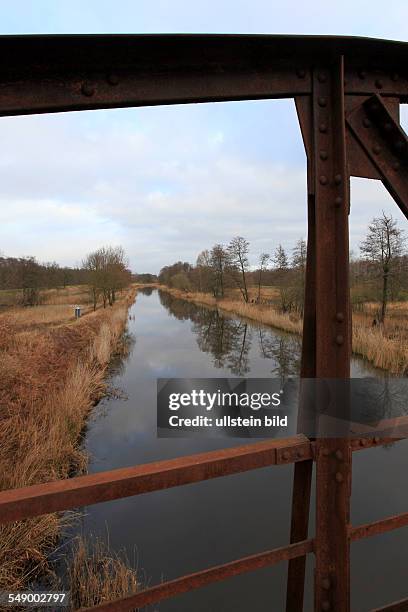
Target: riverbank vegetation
[272, 292]
[52, 371]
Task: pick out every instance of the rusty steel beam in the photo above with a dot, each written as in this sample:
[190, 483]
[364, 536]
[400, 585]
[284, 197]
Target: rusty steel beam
[190, 582]
[302, 477]
[396, 606]
[333, 333]
[76, 72]
[60, 495]
[377, 527]
[385, 144]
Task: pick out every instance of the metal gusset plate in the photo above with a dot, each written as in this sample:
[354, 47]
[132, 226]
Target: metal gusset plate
[385, 144]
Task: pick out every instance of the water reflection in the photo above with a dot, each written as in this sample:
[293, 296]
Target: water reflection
[229, 340]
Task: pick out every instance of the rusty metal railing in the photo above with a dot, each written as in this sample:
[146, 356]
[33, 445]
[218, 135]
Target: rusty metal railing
[35, 500]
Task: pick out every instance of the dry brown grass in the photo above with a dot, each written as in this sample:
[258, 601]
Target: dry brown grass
[385, 346]
[97, 576]
[50, 376]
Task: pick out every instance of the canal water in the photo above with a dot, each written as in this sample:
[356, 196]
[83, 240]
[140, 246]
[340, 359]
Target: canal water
[168, 533]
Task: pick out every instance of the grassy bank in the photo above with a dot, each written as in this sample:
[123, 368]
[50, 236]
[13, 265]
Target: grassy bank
[384, 347]
[52, 371]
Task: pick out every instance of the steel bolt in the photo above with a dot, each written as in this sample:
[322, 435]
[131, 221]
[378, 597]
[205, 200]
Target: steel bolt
[339, 455]
[322, 77]
[337, 179]
[396, 166]
[379, 84]
[338, 201]
[363, 442]
[323, 155]
[362, 74]
[377, 149]
[300, 453]
[325, 452]
[366, 122]
[323, 180]
[339, 477]
[374, 107]
[340, 317]
[286, 455]
[387, 126]
[322, 101]
[339, 340]
[301, 73]
[376, 439]
[395, 76]
[400, 145]
[323, 128]
[326, 606]
[326, 584]
[87, 89]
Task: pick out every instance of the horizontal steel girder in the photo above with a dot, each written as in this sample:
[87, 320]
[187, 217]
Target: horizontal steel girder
[41, 74]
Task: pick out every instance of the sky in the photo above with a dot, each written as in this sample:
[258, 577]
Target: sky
[168, 182]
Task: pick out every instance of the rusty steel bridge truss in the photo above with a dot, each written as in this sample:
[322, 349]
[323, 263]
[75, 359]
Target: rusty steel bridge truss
[347, 93]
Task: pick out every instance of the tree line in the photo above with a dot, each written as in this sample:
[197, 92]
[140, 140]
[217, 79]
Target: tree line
[379, 273]
[105, 271]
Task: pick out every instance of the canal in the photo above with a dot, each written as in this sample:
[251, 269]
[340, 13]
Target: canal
[169, 533]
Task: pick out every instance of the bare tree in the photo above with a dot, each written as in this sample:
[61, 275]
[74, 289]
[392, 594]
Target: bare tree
[299, 255]
[280, 259]
[238, 250]
[219, 259]
[263, 261]
[383, 245]
[107, 273]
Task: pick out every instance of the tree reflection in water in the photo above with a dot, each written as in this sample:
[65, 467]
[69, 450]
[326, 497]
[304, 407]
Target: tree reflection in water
[229, 340]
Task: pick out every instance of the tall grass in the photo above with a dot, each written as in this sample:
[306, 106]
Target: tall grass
[384, 347]
[49, 380]
[96, 575]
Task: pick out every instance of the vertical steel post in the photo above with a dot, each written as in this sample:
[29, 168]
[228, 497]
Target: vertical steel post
[333, 332]
[302, 478]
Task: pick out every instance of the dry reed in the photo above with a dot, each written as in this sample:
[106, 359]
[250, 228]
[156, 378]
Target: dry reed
[49, 380]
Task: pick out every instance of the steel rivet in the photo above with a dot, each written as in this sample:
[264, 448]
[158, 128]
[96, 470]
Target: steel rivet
[363, 442]
[366, 122]
[400, 145]
[322, 77]
[301, 73]
[376, 439]
[337, 179]
[396, 166]
[326, 584]
[87, 89]
[323, 155]
[377, 149]
[338, 201]
[374, 107]
[362, 74]
[323, 127]
[339, 455]
[339, 477]
[112, 79]
[286, 455]
[379, 83]
[322, 102]
[326, 606]
[387, 126]
[325, 452]
[340, 317]
[395, 76]
[300, 452]
[323, 180]
[339, 340]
